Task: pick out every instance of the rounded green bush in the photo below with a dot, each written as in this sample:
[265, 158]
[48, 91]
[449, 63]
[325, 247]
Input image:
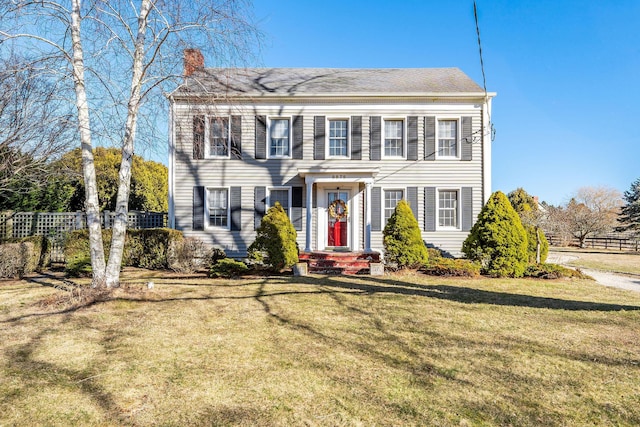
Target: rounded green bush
[276, 237]
[228, 268]
[403, 244]
[498, 240]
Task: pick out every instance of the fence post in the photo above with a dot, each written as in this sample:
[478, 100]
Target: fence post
[8, 231]
[78, 222]
[105, 219]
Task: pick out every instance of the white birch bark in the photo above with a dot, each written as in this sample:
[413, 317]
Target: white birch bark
[92, 207]
[122, 201]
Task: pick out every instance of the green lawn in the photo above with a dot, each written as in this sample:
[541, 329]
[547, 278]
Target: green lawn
[391, 350]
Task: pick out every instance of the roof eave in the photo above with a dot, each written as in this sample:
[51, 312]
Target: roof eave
[433, 95]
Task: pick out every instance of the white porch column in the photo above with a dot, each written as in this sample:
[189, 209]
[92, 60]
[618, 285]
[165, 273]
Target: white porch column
[367, 213]
[307, 243]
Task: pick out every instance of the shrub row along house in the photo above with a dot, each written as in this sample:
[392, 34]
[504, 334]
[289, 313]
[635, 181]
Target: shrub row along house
[337, 148]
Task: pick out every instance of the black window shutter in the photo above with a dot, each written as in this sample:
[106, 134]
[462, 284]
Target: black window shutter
[356, 138]
[198, 137]
[198, 208]
[297, 136]
[467, 139]
[296, 207]
[318, 137]
[467, 208]
[261, 137]
[376, 206]
[236, 208]
[260, 195]
[236, 137]
[412, 138]
[429, 209]
[412, 199]
[375, 135]
[430, 138]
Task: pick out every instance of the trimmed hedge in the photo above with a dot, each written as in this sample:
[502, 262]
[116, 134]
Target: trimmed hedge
[146, 248]
[17, 259]
[41, 254]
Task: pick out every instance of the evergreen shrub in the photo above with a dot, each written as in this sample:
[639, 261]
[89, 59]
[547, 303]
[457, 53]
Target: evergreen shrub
[453, 267]
[498, 241]
[553, 271]
[533, 243]
[275, 244]
[403, 244]
[227, 268]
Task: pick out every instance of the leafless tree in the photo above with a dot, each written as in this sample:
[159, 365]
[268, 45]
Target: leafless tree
[591, 211]
[120, 54]
[35, 125]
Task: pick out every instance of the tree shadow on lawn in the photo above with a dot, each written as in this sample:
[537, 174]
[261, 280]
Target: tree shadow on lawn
[468, 295]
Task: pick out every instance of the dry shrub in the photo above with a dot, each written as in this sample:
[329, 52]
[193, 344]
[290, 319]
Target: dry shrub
[17, 259]
[76, 297]
[188, 255]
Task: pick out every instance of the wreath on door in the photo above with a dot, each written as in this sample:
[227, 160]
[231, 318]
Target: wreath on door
[338, 212]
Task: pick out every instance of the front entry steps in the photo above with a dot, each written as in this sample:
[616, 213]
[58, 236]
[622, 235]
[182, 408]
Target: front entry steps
[334, 262]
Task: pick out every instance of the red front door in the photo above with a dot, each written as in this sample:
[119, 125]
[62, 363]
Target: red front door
[337, 214]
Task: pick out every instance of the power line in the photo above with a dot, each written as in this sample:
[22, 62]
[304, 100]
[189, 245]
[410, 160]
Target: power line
[492, 131]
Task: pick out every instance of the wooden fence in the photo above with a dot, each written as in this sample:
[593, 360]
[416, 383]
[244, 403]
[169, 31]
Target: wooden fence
[616, 243]
[55, 225]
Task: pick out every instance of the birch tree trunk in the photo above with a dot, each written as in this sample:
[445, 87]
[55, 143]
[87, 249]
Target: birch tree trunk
[92, 207]
[122, 201]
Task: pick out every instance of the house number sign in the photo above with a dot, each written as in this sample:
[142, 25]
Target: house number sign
[338, 176]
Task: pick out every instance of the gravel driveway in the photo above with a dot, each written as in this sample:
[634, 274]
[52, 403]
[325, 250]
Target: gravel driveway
[631, 283]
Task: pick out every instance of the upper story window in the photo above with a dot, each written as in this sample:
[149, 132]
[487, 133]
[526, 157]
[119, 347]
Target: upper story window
[218, 137]
[217, 207]
[338, 138]
[448, 138]
[448, 208]
[393, 138]
[279, 138]
[280, 195]
[391, 199]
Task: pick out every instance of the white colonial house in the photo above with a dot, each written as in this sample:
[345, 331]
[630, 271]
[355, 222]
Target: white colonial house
[338, 148]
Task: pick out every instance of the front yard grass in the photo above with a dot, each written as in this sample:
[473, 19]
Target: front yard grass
[390, 350]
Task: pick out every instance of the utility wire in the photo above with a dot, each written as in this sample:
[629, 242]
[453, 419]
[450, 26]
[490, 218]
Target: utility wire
[484, 78]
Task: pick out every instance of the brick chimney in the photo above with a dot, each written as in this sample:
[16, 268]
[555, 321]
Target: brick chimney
[193, 61]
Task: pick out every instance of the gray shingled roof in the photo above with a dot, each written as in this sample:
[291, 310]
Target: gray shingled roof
[329, 81]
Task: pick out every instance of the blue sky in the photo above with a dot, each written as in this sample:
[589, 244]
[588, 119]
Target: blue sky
[567, 73]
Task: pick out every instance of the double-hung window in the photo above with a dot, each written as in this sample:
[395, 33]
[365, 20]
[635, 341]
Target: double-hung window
[448, 208]
[218, 137]
[218, 207]
[279, 138]
[393, 138]
[280, 195]
[338, 140]
[391, 199]
[448, 138]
